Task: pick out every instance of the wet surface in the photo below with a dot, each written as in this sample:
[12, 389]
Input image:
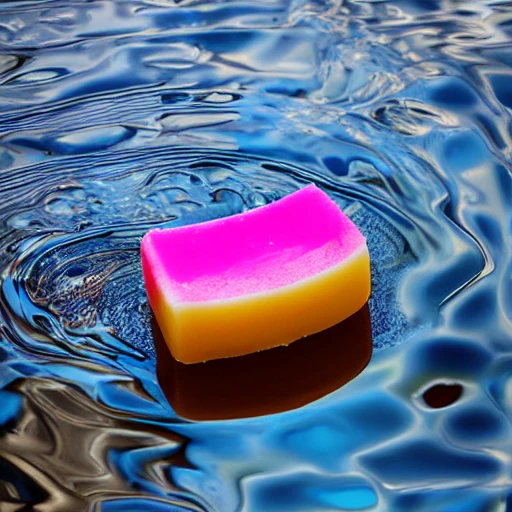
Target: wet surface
[120, 116]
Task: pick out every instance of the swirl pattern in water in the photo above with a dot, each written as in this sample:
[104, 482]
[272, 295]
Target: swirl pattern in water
[117, 116]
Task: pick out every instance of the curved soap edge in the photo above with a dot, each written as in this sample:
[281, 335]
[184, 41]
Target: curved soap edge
[264, 320]
[271, 246]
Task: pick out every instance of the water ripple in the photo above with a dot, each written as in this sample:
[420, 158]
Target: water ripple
[116, 117]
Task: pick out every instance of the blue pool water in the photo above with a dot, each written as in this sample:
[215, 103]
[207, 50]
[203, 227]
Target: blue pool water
[117, 116]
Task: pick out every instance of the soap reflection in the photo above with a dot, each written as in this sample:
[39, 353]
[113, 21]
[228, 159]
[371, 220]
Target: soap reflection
[267, 382]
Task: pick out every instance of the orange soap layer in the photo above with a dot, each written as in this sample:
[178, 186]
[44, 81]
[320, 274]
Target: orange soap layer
[256, 280]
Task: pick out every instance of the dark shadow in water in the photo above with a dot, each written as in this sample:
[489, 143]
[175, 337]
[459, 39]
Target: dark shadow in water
[267, 382]
[442, 395]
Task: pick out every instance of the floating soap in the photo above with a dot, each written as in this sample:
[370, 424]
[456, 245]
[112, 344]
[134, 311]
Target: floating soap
[255, 280]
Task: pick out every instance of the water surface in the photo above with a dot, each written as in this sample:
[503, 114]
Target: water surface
[120, 116]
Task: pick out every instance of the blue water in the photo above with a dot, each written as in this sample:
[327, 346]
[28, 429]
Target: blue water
[120, 116]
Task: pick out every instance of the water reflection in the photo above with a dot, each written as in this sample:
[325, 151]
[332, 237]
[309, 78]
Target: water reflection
[118, 117]
[270, 381]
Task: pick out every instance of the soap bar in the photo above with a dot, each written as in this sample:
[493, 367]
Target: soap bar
[255, 280]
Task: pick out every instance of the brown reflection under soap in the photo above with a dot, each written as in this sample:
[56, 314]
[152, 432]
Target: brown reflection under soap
[268, 382]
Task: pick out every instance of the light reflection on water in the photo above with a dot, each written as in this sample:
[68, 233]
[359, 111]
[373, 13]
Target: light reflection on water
[119, 116]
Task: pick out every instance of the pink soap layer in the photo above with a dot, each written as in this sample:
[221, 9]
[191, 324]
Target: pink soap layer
[263, 249]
